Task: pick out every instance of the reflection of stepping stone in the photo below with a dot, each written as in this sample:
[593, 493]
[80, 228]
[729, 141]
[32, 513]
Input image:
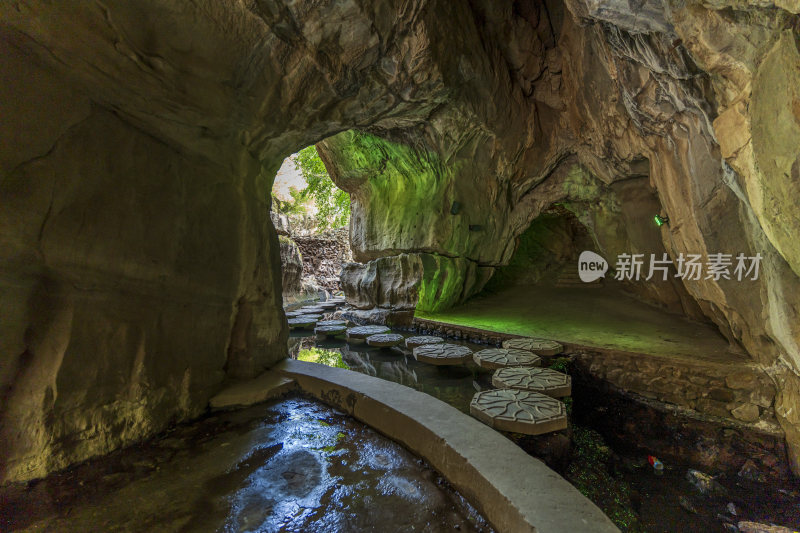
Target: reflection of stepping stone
[539, 346]
[502, 357]
[329, 331]
[544, 380]
[519, 411]
[442, 354]
[413, 342]
[332, 323]
[357, 334]
[301, 322]
[385, 340]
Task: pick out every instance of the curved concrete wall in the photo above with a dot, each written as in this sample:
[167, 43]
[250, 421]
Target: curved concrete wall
[514, 491]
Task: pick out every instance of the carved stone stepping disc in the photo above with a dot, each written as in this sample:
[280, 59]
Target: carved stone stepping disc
[519, 411]
[327, 305]
[544, 380]
[442, 354]
[538, 346]
[293, 314]
[302, 322]
[313, 310]
[362, 332]
[503, 357]
[330, 330]
[309, 316]
[332, 323]
[413, 342]
[385, 340]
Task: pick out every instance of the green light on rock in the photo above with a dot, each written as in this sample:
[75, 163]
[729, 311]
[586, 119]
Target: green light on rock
[660, 221]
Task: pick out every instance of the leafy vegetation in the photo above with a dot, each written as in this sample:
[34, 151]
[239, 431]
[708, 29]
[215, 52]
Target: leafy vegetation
[332, 203]
[323, 357]
[589, 473]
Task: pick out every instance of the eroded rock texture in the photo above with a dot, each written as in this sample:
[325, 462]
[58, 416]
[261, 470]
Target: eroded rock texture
[139, 142]
[138, 146]
[618, 113]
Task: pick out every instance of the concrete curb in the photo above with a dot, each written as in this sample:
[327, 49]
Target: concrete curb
[514, 491]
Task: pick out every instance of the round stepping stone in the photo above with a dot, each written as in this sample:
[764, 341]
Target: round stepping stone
[413, 342]
[519, 411]
[293, 314]
[359, 333]
[309, 316]
[327, 305]
[313, 310]
[326, 331]
[501, 357]
[442, 354]
[301, 322]
[385, 340]
[332, 323]
[544, 380]
[538, 346]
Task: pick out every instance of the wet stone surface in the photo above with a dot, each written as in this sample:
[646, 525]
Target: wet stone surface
[419, 340]
[519, 411]
[362, 332]
[385, 340]
[505, 357]
[293, 465]
[301, 322]
[442, 354]
[330, 329]
[537, 346]
[544, 380]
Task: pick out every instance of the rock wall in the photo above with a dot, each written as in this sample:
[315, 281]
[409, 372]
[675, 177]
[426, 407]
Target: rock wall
[139, 142]
[575, 104]
[291, 267]
[138, 146]
[324, 256]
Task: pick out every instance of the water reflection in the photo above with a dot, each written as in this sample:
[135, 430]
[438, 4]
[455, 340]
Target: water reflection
[452, 384]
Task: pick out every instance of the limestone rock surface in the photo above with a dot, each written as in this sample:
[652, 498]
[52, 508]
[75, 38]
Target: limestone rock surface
[139, 267]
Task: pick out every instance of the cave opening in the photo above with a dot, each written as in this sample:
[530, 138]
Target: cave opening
[482, 148]
[311, 215]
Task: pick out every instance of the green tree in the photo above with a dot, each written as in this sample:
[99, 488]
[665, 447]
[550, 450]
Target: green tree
[333, 204]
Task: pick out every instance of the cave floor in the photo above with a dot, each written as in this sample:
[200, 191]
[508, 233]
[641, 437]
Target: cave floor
[599, 318]
[289, 465]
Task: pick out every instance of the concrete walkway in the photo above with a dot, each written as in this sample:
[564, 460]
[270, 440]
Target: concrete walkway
[514, 491]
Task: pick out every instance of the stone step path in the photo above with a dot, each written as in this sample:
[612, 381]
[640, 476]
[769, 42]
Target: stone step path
[419, 340]
[442, 354]
[302, 322]
[332, 323]
[538, 346]
[493, 358]
[384, 340]
[518, 411]
[333, 330]
[543, 380]
[359, 334]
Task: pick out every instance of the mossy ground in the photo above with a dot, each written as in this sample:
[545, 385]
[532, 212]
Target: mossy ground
[603, 318]
[589, 472]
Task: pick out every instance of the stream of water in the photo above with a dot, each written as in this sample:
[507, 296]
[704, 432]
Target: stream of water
[624, 486]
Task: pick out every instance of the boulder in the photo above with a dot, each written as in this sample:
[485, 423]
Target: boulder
[291, 266]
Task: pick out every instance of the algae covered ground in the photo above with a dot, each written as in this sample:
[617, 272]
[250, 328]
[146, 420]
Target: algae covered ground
[602, 318]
